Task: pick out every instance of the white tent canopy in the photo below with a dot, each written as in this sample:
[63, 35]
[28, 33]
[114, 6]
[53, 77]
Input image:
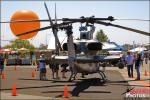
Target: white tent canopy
[51, 44]
[138, 49]
[111, 45]
[23, 49]
[5, 50]
[108, 45]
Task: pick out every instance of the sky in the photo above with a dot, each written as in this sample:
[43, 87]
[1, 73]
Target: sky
[76, 9]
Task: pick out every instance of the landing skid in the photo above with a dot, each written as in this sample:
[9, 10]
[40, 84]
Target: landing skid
[101, 73]
[103, 76]
[71, 76]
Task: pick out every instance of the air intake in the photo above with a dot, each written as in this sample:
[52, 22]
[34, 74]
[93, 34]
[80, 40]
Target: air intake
[94, 46]
[65, 47]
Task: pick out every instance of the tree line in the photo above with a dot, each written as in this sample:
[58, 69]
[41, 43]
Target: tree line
[19, 43]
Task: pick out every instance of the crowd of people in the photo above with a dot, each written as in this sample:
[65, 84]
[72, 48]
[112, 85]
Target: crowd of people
[53, 66]
[131, 60]
[134, 59]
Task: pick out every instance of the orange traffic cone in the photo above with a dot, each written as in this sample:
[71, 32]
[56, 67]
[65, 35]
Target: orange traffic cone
[3, 75]
[145, 73]
[33, 73]
[15, 68]
[66, 94]
[14, 93]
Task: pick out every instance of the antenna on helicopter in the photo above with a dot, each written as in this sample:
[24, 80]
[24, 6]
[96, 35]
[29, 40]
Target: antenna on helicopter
[56, 30]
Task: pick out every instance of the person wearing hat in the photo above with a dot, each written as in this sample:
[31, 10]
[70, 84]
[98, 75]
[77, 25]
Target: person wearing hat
[129, 61]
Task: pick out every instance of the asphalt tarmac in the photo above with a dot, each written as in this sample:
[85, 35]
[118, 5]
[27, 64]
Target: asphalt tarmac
[89, 88]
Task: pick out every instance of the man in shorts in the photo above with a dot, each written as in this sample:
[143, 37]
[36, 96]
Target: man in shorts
[42, 67]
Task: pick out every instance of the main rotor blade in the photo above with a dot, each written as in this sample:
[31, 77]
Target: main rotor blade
[34, 20]
[55, 15]
[55, 31]
[133, 19]
[44, 28]
[53, 27]
[36, 30]
[7, 40]
[51, 23]
[123, 27]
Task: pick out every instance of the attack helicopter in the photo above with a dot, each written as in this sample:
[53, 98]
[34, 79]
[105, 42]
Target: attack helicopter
[82, 54]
